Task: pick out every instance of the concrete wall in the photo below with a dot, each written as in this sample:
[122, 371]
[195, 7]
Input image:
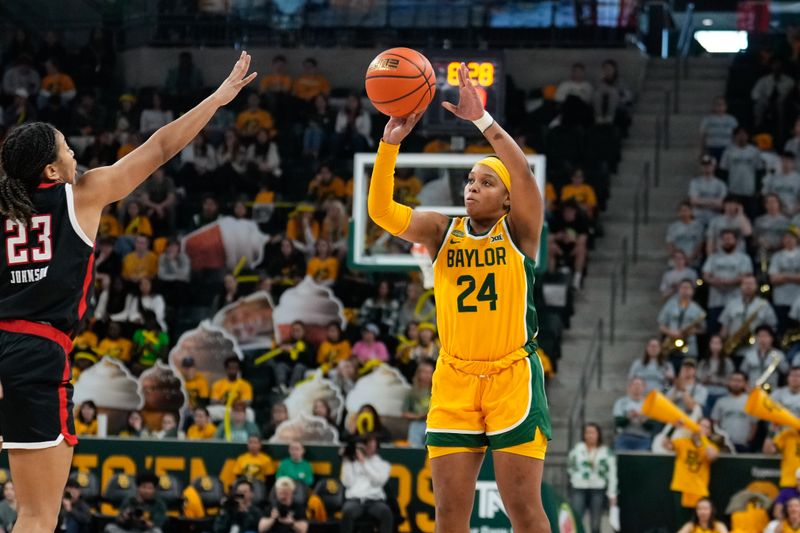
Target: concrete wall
[345, 67]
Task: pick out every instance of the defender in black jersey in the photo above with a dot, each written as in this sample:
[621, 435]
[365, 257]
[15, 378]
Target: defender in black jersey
[48, 222]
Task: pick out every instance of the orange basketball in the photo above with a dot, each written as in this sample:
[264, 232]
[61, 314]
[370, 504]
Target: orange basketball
[400, 81]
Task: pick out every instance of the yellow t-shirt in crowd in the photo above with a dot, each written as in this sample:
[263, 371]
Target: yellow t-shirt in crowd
[139, 226]
[549, 193]
[87, 339]
[109, 226]
[583, 194]
[254, 466]
[135, 267]
[323, 269]
[436, 146]
[58, 83]
[788, 442]
[197, 389]
[276, 82]
[692, 468]
[85, 429]
[787, 528]
[117, 348]
[322, 191]
[249, 121]
[241, 389]
[195, 433]
[307, 86]
[265, 197]
[295, 232]
[193, 504]
[331, 353]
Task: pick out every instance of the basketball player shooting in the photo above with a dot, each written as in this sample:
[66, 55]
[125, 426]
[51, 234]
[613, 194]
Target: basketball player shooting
[50, 220]
[488, 387]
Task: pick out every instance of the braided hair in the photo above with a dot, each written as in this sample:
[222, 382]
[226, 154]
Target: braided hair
[27, 150]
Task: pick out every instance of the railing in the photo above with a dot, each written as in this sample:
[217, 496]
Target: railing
[592, 367]
[618, 286]
[641, 208]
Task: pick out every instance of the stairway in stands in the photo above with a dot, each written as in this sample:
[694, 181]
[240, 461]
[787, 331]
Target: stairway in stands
[636, 319]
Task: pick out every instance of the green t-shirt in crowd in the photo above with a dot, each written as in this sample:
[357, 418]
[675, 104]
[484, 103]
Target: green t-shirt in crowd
[300, 471]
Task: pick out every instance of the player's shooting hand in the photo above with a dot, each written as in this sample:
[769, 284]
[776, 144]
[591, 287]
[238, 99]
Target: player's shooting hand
[235, 81]
[469, 105]
[398, 128]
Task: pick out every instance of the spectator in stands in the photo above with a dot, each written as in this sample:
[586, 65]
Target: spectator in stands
[277, 82]
[287, 267]
[743, 315]
[141, 263]
[174, 272]
[232, 384]
[366, 422]
[56, 83]
[88, 117]
[680, 320]
[687, 235]
[238, 512]
[634, 429]
[704, 519]
[581, 192]
[310, 83]
[198, 163]
[335, 226]
[195, 383]
[652, 367]
[714, 371]
[254, 464]
[136, 222]
[370, 347]
[295, 467]
[319, 128]
[20, 110]
[184, 81]
[679, 273]
[230, 291]
[568, 240]
[789, 396]
[143, 512]
[263, 162]
[231, 155]
[345, 374]
[716, 129]
[290, 360]
[364, 473]
[155, 116]
[302, 228]
[724, 271]
[326, 185]
[742, 161]
[86, 419]
[285, 515]
[334, 348]
[160, 201]
[706, 192]
[409, 311]
[382, 309]
[770, 158]
[784, 276]
[202, 428]
[150, 342]
[732, 218]
[612, 100]
[417, 402]
[787, 443]
[693, 458]
[785, 184]
[783, 498]
[323, 267]
[592, 470]
[241, 429]
[769, 228]
[134, 426]
[686, 392]
[144, 300]
[22, 76]
[427, 346]
[114, 344]
[125, 120]
[728, 414]
[756, 358]
[103, 152]
[8, 507]
[75, 515]
[278, 415]
[576, 85]
[352, 129]
[169, 428]
[322, 409]
[793, 144]
[769, 95]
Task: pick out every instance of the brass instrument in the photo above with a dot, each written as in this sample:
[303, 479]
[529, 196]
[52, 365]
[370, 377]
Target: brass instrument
[792, 336]
[742, 335]
[774, 361]
[669, 345]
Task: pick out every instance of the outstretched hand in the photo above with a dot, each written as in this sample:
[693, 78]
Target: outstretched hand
[236, 80]
[398, 128]
[469, 102]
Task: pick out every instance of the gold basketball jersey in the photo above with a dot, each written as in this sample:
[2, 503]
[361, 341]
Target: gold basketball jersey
[484, 294]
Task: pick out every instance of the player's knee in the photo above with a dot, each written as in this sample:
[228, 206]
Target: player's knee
[36, 521]
[451, 514]
[528, 514]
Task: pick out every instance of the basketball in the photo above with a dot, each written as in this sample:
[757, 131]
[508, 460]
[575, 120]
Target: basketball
[400, 81]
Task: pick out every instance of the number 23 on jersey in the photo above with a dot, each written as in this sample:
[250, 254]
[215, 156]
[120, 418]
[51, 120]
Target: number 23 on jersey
[19, 248]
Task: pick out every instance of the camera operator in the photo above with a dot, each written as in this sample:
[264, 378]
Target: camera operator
[75, 513]
[144, 512]
[364, 474]
[284, 515]
[238, 514]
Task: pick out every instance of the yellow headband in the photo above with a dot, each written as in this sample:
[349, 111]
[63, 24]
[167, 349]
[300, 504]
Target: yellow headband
[499, 168]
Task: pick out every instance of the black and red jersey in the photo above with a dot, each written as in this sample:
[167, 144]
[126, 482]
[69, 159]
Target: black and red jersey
[47, 272]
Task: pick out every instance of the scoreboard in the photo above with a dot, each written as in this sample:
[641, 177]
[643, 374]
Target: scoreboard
[487, 72]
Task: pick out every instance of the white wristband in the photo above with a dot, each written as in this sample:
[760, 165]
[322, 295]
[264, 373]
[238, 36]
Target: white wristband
[484, 122]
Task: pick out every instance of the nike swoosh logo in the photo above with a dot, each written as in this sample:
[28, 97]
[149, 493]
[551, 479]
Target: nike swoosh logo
[454, 241]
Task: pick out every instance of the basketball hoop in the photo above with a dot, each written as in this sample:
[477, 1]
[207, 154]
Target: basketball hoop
[423, 259]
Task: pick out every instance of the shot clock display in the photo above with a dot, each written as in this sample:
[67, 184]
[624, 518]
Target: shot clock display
[487, 73]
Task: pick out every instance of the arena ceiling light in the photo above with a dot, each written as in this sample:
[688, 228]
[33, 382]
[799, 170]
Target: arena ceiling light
[722, 41]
